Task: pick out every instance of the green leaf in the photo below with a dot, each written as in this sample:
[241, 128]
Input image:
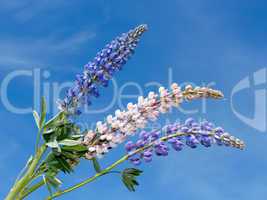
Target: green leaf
[129, 176]
[77, 148]
[61, 129]
[47, 185]
[54, 145]
[43, 113]
[69, 155]
[49, 131]
[54, 181]
[37, 118]
[96, 165]
[133, 171]
[76, 136]
[54, 163]
[65, 166]
[68, 142]
[65, 162]
[55, 120]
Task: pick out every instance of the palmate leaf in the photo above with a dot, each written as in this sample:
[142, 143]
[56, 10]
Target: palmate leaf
[65, 154]
[129, 176]
[55, 163]
[63, 131]
[65, 140]
[65, 166]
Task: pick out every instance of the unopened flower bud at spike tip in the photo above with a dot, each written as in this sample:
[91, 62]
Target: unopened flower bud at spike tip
[142, 28]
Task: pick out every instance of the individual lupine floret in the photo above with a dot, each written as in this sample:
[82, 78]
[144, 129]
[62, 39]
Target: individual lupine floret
[177, 136]
[100, 70]
[117, 128]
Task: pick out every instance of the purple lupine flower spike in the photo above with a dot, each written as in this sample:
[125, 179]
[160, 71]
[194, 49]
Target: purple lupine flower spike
[177, 136]
[99, 71]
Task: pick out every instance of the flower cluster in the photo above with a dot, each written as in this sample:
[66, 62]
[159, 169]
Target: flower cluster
[100, 70]
[117, 128]
[177, 136]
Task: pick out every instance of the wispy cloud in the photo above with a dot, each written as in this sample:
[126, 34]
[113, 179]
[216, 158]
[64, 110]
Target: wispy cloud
[73, 42]
[32, 52]
[25, 10]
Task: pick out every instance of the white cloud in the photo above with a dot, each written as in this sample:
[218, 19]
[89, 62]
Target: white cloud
[25, 10]
[38, 52]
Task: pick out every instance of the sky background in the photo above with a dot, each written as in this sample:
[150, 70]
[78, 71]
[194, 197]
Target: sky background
[210, 41]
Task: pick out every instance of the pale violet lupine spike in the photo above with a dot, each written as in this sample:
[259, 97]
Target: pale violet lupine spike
[176, 136]
[100, 71]
[116, 129]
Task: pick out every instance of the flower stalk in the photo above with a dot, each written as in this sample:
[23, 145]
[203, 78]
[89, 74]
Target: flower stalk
[115, 164]
[28, 176]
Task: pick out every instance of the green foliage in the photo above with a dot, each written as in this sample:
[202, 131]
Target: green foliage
[69, 142]
[43, 113]
[57, 118]
[65, 140]
[55, 163]
[58, 128]
[48, 185]
[40, 120]
[96, 165]
[37, 118]
[53, 181]
[78, 149]
[129, 176]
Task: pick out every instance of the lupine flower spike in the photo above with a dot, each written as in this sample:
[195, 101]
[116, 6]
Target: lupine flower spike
[116, 129]
[177, 136]
[64, 144]
[100, 71]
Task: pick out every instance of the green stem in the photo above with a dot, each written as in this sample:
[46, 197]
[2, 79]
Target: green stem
[22, 183]
[108, 169]
[89, 180]
[32, 189]
[37, 140]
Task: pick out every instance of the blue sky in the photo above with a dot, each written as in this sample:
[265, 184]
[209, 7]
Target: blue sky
[199, 41]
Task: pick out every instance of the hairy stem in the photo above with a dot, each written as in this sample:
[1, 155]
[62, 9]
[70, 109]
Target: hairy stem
[22, 183]
[37, 140]
[32, 189]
